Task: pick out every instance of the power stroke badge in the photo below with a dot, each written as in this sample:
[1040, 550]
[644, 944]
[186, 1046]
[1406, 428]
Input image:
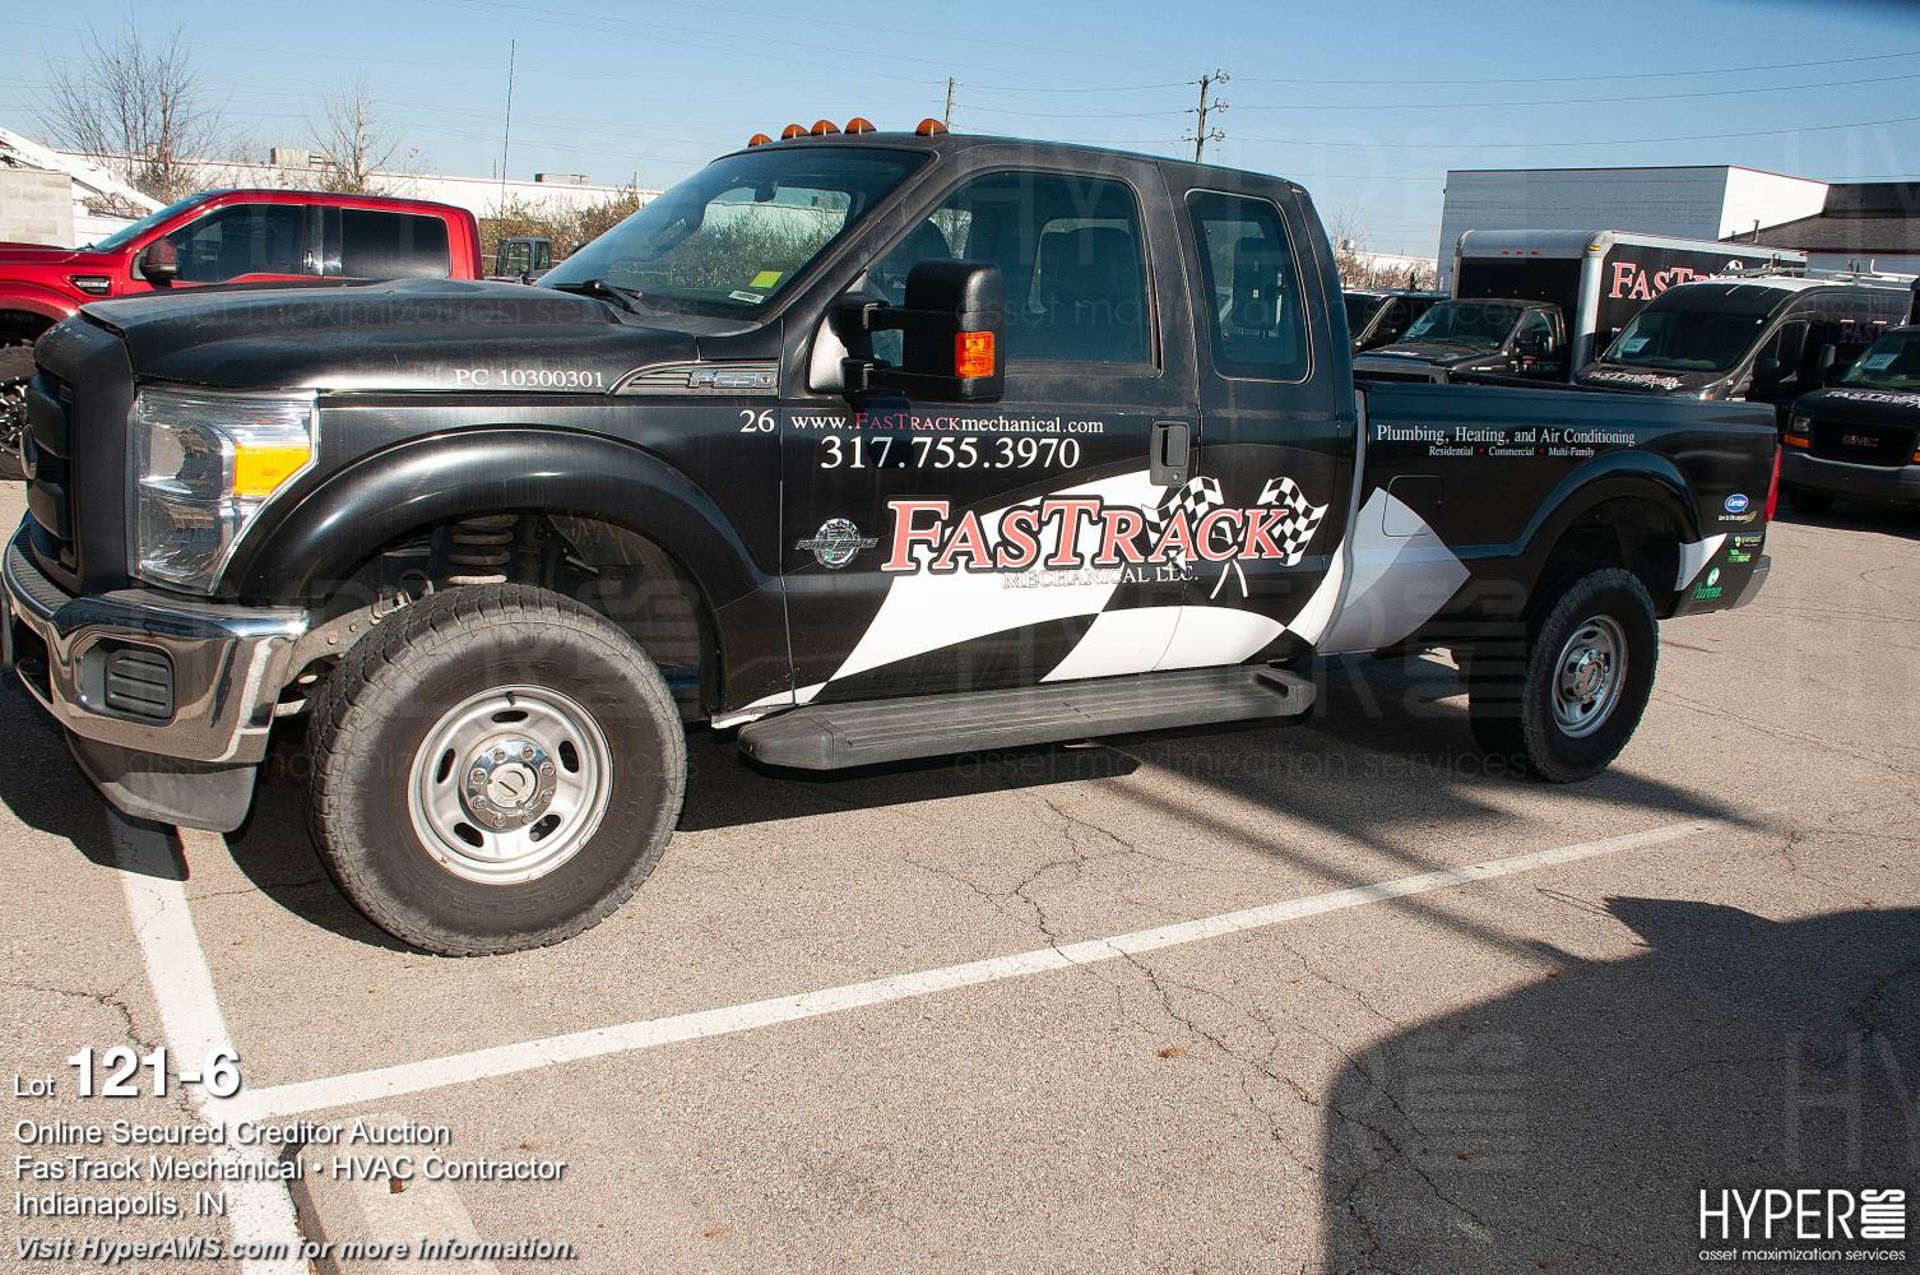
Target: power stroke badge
[836, 544]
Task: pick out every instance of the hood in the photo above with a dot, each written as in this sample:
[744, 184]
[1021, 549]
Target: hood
[1861, 405]
[1436, 353]
[416, 334]
[1646, 380]
[41, 254]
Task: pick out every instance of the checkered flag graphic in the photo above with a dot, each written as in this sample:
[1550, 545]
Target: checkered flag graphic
[1302, 520]
[1196, 498]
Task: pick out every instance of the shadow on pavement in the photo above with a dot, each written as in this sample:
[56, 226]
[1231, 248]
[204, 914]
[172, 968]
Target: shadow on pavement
[1572, 1125]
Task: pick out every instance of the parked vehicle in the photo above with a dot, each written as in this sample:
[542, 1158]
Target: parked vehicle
[1455, 338]
[522, 258]
[869, 446]
[1596, 280]
[1375, 317]
[1766, 338]
[222, 236]
[1860, 436]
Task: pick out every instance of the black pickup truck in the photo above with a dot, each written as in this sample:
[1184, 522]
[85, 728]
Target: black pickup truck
[865, 445]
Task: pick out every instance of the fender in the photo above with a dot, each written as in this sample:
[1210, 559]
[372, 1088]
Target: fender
[337, 524]
[33, 299]
[1625, 474]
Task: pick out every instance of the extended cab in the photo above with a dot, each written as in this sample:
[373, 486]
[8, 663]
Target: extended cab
[866, 445]
[224, 236]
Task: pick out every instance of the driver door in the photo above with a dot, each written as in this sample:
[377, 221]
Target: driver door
[895, 511]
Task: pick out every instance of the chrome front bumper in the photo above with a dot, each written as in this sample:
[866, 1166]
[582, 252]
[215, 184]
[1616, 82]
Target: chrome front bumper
[228, 664]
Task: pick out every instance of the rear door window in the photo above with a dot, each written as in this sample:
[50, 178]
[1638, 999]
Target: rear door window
[1252, 289]
[391, 245]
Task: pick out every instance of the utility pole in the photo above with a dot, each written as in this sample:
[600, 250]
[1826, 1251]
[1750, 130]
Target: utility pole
[1207, 106]
[947, 119]
[506, 127]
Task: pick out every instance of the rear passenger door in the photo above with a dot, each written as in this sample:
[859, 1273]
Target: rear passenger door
[1277, 432]
[920, 497]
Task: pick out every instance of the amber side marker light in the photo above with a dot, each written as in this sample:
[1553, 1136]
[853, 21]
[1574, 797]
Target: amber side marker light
[929, 127]
[972, 354]
[859, 124]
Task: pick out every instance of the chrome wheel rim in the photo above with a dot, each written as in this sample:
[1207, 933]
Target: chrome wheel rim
[1589, 676]
[509, 784]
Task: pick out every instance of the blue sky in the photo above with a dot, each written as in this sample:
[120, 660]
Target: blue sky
[1365, 104]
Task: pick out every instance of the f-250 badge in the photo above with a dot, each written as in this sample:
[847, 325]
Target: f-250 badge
[837, 543]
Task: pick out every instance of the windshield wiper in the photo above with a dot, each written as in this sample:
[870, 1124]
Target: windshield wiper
[601, 290]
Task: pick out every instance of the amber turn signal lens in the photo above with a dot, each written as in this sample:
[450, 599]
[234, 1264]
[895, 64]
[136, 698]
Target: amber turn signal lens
[792, 131]
[1799, 440]
[859, 124]
[929, 127]
[259, 470]
[758, 139]
[972, 354]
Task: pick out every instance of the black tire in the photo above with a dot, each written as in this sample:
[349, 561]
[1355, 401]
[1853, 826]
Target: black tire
[1512, 694]
[397, 687]
[1809, 502]
[16, 362]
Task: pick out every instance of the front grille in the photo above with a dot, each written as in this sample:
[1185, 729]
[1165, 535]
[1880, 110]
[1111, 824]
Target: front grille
[1864, 444]
[47, 452]
[139, 682]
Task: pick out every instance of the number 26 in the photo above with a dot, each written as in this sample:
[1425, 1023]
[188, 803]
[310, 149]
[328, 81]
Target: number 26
[752, 422]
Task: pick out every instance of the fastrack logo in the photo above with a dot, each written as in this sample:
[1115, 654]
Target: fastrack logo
[1634, 282]
[1191, 525]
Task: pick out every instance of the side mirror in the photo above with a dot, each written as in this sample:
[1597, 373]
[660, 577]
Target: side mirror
[1823, 364]
[160, 263]
[1766, 371]
[1533, 345]
[950, 332]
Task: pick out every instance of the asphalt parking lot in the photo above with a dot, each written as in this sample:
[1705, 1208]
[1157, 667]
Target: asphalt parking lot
[1322, 997]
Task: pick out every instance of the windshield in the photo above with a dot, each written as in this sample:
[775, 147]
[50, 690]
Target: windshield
[127, 234]
[1482, 325]
[1686, 340]
[1360, 308]
[1891, 363]
[734, 234]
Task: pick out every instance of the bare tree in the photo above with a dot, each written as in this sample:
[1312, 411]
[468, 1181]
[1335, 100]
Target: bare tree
[354, 140]
[1361, 268]
[135, 105]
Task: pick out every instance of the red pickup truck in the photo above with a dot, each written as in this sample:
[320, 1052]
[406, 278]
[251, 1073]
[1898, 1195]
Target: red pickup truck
[226, 236]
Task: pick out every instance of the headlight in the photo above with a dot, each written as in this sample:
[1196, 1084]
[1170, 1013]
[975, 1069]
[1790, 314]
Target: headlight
[1797, 424]
[204, 464]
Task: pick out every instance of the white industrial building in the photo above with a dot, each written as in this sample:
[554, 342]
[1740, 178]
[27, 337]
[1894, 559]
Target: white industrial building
[1720, 201]
[54, 196]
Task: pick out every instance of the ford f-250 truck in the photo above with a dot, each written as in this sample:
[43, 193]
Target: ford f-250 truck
[868, 445]
[222, 237]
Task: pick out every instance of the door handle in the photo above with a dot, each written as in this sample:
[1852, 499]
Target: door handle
[1167, 461]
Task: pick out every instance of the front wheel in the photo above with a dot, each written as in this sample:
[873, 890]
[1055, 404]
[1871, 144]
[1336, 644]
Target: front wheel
[16, 365]
[494, 768]
[1571, 700]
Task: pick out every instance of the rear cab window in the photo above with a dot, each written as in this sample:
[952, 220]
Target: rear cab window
[1255, 321]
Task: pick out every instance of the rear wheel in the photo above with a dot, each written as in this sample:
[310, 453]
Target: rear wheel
[1568, 700]
[1807, 501]
[495, 768]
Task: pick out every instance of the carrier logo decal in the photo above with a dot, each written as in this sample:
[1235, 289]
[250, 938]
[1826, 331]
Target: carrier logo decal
[1192, 524]
[837, 543]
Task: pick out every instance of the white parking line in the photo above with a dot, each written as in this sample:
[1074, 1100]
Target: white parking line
[260, 1212]
[502, 1060]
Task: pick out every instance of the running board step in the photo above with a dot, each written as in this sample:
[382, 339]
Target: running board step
[836, 736]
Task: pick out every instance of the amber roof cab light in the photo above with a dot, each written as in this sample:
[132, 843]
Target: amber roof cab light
[930, 127]
[758, 139]
[859, 124]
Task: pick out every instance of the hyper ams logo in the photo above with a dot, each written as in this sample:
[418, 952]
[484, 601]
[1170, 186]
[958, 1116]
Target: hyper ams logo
[1192, 523]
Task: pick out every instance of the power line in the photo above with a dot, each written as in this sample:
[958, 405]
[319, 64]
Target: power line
[1566, 79]
[1582, 101]
[1606, 141]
